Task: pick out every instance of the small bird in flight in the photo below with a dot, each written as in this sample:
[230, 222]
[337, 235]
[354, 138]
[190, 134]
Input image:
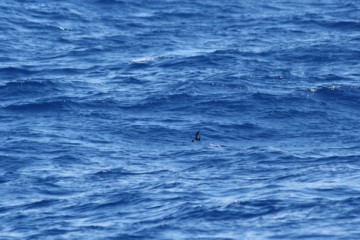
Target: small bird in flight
[197, 137]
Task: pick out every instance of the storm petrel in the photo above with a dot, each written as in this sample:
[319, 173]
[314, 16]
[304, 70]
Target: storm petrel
[197, 137]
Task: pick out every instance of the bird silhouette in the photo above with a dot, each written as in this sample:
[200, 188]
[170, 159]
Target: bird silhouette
[197, 137]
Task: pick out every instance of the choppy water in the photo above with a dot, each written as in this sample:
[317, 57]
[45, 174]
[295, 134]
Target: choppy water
[100, 101]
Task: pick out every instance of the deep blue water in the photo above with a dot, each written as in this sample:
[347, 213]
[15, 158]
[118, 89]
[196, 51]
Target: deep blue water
[100, 99]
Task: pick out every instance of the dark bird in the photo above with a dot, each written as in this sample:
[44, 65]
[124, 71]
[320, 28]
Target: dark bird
[197, 137]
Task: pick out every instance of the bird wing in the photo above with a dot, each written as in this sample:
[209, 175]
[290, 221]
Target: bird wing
[197, 134]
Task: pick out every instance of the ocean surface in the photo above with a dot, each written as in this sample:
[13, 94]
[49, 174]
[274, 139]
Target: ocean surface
[100, 101]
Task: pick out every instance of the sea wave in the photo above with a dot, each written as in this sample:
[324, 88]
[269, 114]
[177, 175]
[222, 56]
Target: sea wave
[100, 102]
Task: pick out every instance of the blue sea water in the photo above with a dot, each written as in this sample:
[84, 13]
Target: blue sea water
[100, 99]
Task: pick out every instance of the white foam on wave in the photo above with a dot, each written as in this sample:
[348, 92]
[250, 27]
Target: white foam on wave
[145, 59]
